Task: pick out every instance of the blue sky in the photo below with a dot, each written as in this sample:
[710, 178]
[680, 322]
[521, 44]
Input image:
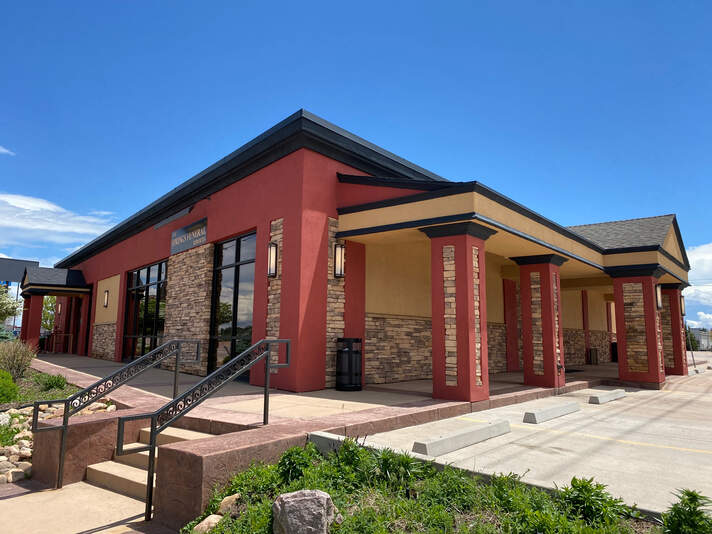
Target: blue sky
[583, 111]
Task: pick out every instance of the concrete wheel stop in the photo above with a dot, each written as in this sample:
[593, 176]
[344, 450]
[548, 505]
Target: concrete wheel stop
[606, 396]
[461, 438]
[550, 412]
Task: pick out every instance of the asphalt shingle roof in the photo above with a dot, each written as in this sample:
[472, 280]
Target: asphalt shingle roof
[48, 276]
[629, 233]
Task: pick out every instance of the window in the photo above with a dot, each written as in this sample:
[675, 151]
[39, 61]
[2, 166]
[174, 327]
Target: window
[145, 310]
[233, 292]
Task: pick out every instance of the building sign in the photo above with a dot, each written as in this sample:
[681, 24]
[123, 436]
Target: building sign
[190, 236]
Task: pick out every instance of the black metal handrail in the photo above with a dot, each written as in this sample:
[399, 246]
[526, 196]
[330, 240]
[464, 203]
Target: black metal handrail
[80, 400]
[182, 404]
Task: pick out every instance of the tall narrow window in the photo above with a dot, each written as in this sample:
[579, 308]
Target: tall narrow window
[233, 295]
[145, 310]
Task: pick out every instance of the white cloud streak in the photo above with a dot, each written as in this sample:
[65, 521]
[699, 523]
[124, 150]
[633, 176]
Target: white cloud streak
[6, 151]
[30, 221]
[700, 275]
[704, 320]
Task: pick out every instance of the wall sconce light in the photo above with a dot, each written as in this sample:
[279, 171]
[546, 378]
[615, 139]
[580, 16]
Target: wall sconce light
[272, 259]
[339, 260]
[59, 308]
[106, 298]
[659, 296]
[682, 305]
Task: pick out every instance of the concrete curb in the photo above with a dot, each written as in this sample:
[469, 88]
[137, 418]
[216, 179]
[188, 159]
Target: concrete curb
[461, 438]
[606, 396]
[551, 412]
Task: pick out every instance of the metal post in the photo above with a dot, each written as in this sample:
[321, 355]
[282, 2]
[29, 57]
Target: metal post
[265, 415]
[63, 445]
[175, 372]
[151, 469]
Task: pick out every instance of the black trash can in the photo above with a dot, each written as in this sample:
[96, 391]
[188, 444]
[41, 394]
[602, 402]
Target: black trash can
[348, 364]
[614, 351]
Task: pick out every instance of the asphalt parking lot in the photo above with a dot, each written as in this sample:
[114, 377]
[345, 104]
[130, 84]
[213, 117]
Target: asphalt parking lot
[643, 446]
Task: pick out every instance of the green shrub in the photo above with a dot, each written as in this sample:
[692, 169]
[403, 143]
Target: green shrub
[5, 335]
[690, 515]
[295, 461]
[8, 389]
[590, 501]
[48, 382]
[15, 357]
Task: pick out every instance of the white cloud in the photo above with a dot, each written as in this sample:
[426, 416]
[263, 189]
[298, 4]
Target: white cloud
[3, 255]
[700, 275]
[30, 221]
[704, 320]
[6, 151]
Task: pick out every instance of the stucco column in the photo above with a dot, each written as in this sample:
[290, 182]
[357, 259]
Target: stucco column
[638, 328]
[34, 321]
[459, 311]
[542, 333]
[673, 328]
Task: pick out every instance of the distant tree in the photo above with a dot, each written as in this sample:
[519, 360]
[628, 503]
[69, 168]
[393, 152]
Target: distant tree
[8, 305]
[48, 306]
[692, 343]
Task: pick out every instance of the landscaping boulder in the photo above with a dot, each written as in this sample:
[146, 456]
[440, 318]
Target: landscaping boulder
[304, 512]
[13, 475]
[207, 524]
[4, 419]
[231, 505]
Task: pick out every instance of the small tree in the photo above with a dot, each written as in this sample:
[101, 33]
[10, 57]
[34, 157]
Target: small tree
[8, 305]
[48, 306]
[692, 343]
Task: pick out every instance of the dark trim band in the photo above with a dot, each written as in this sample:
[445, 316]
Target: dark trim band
[644, 269]
[463, 228]
[554, 259]
[398, 183]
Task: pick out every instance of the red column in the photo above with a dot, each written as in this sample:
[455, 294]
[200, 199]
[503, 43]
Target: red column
[677, 329]
[638, 329]
[542, 333]
[459, 311]
[25, 317]
[511, 324]
[34, 321]
[84, 324]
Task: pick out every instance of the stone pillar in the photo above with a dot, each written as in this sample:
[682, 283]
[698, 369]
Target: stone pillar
[34, 321]
[542, 334]
[673, 329]
[638, 328]
[459, 311]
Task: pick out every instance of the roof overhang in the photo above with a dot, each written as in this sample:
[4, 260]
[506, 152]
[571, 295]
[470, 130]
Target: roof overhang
[300, 130]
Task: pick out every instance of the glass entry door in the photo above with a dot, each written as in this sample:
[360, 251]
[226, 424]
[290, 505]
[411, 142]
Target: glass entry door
[145, 310]
[233, 295]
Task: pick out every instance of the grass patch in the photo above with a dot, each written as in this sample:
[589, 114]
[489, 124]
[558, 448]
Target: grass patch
[37, 386]
[387, 493]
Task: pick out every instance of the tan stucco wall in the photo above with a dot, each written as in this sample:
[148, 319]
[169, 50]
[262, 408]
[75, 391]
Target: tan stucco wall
[398, 279]
[571, 313]
[109, 314]
[495, 290]
[597, 311]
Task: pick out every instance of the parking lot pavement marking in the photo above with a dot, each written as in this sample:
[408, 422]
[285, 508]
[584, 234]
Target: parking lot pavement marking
[602, 438]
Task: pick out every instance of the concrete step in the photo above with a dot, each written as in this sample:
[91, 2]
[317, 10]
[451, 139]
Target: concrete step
[120, 478]
[136, 459]
[171, 435]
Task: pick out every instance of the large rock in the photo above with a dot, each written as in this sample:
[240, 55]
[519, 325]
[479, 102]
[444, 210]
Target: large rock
[207, 524]
[4, 419]
[13, 475]
[304, 512]
[6, 466]
[26, 468]
[231, 505]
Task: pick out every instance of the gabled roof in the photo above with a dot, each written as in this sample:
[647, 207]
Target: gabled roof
[13, 270]
[647, 233]
[300, 130]
[52, 277]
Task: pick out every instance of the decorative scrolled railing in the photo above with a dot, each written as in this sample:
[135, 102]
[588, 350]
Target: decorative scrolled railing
[186, 401]
[84, 398]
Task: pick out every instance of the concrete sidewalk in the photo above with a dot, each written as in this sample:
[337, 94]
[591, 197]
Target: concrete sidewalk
[643, 447]
[80, 508]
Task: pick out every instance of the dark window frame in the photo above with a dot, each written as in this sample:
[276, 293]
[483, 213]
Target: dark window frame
[217, 267]
[133, 290]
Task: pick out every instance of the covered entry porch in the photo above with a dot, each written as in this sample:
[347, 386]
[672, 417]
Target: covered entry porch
[456, 301]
